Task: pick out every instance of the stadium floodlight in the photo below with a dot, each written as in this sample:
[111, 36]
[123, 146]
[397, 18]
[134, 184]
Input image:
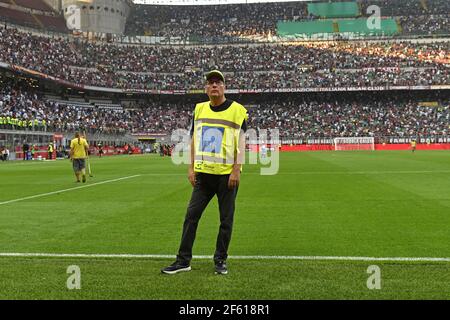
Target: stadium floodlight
[354, 143]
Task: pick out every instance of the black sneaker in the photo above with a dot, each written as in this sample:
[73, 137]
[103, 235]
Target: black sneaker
[176, 267]
[221, 267]
[84, 179]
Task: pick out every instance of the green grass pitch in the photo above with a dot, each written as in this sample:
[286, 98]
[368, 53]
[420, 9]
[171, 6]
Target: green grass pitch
[335, 204]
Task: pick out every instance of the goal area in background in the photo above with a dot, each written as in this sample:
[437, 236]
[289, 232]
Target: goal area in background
[354, 143]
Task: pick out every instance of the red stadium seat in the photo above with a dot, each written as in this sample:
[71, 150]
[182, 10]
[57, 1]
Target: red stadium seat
[18, 17]
[30, 4]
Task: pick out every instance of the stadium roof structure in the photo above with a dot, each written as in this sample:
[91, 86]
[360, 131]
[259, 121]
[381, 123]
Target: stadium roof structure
[207, 2]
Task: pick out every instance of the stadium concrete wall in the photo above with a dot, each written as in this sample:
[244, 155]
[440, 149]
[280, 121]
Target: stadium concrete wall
[97, 16]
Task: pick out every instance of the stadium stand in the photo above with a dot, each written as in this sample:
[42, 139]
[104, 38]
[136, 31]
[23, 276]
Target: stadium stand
[408, 7]
[260, 21]
[34, 14]
[359, 26]
[53, 23]
[382, 118]
[30, 4]
[297, 117]
[395, 8]
[212, 22]
[257, 67]
[334, 9]
[18, 17]
[254, 22]
[254, 69]
[429, 25]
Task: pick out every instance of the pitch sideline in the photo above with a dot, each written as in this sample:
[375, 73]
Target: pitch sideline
[66, 190]
[205, 257]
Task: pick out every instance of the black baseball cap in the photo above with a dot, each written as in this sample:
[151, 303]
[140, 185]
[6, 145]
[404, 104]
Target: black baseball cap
[215, 73]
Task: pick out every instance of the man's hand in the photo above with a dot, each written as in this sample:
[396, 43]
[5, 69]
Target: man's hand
[191, 176]
[233, 181]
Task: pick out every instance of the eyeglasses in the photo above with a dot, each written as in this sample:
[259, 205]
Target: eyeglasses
[212, 82]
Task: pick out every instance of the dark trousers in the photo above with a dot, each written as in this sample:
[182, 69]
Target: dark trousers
[206, 186]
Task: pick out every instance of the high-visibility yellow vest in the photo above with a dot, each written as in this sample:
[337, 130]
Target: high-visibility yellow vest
[216, 137]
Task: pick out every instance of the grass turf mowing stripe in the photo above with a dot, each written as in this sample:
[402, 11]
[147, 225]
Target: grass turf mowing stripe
[320, 173]
[65, 190]
[164, 256]
[364, 172]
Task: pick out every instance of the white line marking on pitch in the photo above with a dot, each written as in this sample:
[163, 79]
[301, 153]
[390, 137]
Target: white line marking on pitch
[167, 256]
[65, 190]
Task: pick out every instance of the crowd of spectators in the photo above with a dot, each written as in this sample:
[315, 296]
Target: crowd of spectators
[326, 64]
[247, 67]
[26, 106]
[385, 118]
[212, 21]
[22, 106]
[297, 119]
[322, 55]
[234, 21]
[294, 117]
[245, 22]
[21, 110]
[426, 24]
[416, 17]
[407, 7]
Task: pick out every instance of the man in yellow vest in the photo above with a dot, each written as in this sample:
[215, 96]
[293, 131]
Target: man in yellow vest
[217, 154]
[50, 151]
[413, 145]
[78, 153]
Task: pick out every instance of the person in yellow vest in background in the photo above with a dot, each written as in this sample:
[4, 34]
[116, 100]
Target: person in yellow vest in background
[50, 151]
[33, 151]
[78, 154]
[413, 145]
[217, 154]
